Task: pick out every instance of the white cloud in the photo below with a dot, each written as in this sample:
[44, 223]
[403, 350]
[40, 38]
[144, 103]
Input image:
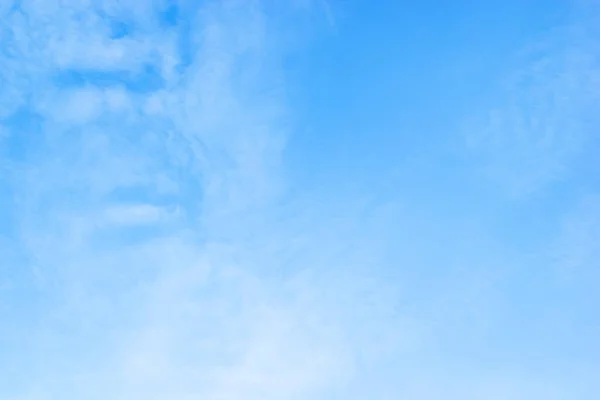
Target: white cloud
[217, 298]
[193, 308]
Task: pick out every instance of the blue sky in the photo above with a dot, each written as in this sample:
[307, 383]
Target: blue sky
[310, 199]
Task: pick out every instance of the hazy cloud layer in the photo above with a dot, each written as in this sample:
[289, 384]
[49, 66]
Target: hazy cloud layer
[151, 246]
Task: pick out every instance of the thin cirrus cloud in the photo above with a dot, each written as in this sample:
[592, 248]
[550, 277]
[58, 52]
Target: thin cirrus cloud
[533, 139]
[172, 313]
[154, 247]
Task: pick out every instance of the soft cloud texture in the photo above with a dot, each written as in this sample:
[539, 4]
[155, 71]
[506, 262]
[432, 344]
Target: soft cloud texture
[155, 244]
[535, 137]
[144, 163]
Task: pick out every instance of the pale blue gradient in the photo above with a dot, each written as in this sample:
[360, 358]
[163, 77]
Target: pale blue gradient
[302, 199]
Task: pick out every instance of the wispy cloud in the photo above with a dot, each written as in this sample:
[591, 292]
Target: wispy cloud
[155, 251]
[138, 300]
[533, 137]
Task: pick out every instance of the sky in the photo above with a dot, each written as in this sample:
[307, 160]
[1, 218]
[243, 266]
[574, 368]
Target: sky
[300, 199]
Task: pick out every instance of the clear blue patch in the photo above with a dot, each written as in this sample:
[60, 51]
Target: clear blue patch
[149, 79]
[128, 235]
[120, 29]
[23, 124]
[175, 16]
[185, 46]
[170, 15]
